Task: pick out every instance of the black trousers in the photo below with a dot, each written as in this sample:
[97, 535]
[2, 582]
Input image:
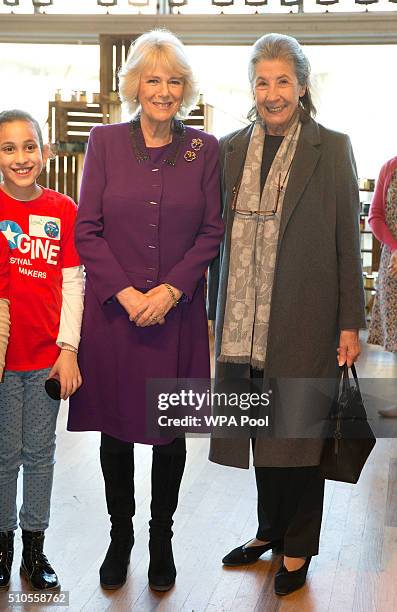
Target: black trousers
[290, 507]
[290, 502]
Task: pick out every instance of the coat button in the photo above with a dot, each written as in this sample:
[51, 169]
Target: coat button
[151, 246]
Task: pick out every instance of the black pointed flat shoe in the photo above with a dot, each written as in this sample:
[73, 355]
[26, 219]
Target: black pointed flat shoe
[286, 582]
[244, 555]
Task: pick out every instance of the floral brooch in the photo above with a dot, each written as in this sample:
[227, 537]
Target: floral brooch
[196, 145]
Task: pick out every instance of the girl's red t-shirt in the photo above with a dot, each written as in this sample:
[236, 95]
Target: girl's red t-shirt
[40, 235]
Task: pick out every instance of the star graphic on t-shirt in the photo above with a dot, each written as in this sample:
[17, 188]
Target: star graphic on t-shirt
[11, 231]
[9, 234]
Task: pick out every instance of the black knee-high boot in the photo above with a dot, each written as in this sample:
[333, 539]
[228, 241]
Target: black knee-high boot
[167, 471]
[117, 462]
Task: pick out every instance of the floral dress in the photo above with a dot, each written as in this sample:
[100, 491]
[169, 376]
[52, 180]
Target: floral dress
[383, 327]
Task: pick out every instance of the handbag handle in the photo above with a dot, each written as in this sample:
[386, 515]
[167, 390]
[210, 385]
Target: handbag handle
[346, 387]
[353, 369]
[344, 371]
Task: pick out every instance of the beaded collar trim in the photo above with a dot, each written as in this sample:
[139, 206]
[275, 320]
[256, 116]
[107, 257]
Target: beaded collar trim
[139, 147]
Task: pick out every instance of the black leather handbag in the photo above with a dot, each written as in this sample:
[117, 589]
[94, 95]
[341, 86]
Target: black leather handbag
[350, 438]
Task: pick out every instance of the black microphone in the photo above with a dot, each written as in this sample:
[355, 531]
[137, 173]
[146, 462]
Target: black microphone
[53, 388]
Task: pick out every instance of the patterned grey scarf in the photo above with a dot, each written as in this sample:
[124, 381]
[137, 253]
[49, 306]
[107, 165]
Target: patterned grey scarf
[253, 250]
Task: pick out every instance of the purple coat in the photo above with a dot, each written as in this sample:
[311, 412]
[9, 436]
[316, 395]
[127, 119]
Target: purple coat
[141, 224]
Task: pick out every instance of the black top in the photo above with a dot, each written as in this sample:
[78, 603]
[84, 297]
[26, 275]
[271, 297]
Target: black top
[272, 144]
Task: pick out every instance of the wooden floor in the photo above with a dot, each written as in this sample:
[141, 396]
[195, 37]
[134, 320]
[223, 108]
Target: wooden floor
[355, 571]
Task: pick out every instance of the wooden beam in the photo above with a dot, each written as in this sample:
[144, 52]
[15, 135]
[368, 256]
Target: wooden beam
[325, 28]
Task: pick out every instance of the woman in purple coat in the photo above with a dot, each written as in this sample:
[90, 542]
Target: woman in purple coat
[148, 226]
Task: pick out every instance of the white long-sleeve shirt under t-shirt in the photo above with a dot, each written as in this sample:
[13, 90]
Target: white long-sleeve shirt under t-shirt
[72, 306]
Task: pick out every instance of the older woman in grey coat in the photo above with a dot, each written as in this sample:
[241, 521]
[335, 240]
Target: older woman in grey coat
[286, 295]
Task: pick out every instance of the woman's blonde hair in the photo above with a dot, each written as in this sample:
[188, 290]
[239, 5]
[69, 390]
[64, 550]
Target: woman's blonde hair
[149, 50]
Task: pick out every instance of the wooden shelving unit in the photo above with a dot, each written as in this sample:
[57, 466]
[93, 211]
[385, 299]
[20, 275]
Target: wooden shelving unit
[69, 126]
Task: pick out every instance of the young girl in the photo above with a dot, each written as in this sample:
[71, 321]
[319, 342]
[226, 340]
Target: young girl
[46, 292]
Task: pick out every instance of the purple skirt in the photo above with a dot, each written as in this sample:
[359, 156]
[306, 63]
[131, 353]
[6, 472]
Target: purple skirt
[116, 358]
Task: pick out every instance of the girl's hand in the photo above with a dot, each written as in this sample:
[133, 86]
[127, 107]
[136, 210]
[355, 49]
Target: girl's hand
[66, 370]
[159, 303]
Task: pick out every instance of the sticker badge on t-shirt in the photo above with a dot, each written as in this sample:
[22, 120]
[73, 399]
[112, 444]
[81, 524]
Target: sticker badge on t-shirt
[44, 227]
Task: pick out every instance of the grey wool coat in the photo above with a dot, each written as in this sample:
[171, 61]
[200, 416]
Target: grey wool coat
[317, 292]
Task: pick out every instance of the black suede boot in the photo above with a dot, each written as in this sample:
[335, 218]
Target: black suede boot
[118, 473]
[162, 570]
[6, 557]
[167, 472]
[113, 571]
[35, 566]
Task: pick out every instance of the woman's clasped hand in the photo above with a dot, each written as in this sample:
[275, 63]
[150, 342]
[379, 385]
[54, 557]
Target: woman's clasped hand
[151, 308]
